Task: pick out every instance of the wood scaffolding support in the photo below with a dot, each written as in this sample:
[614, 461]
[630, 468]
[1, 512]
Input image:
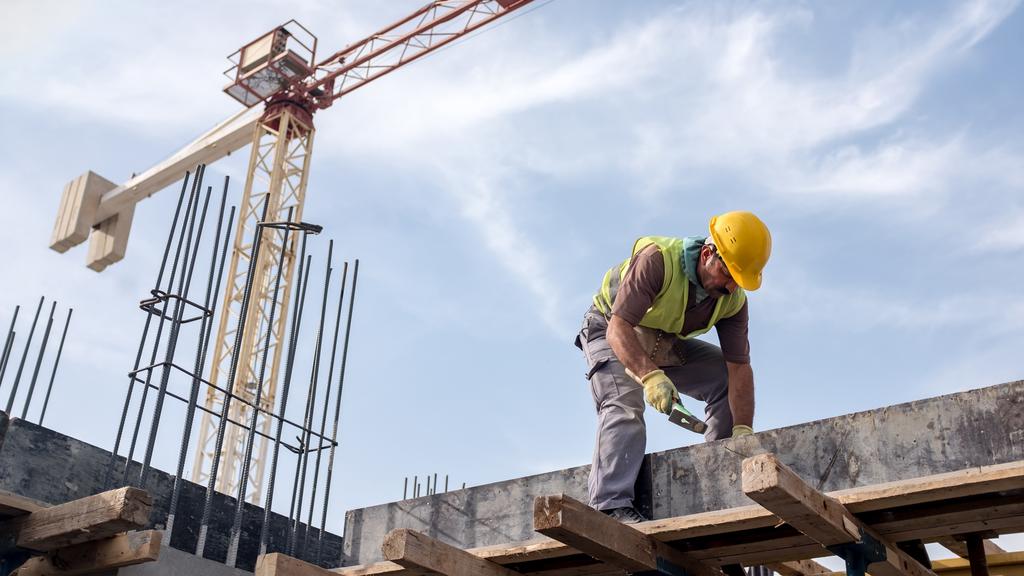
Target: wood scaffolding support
[599, 536]
[84, 536]
[99, 556]
[587, 543]
[824, 519]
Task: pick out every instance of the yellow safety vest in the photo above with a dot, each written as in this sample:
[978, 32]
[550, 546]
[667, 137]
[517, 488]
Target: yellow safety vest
[669, 307]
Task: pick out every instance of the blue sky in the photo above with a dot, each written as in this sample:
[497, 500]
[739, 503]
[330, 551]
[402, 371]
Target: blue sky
[487, 188]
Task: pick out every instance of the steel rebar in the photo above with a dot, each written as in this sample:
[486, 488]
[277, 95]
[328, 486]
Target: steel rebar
[145, 333]
[243, 313]
[8, 344]
[39, 362]
[300, 300]
[56, 362]
[314, 380]
[337, 408]
[243, 482]
[184, 287]
[202, 348]
[24, 356]
[327, 401]
[189, 215]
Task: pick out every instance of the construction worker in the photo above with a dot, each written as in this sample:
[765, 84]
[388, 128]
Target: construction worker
[638, 340]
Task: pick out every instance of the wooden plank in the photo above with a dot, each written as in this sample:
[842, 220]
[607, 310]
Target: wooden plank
[597, 535]
[16, 505]
[83, 520]
[822, 518]
[736, 521]
[1003, 564]
[277, 564]
[798, 568]
[959, 547]
[91, 557]
[419, 552]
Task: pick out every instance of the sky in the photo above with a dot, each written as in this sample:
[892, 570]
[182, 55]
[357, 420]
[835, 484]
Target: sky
[486, 190]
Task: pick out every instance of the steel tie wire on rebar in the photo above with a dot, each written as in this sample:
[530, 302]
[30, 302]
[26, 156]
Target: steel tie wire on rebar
[142, 341]
[204, 524]
[243, 483]
[202, 348]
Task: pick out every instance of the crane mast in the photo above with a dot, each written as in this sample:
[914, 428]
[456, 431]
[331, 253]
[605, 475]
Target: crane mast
[278, 173]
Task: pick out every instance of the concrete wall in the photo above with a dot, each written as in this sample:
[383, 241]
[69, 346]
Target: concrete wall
[39, 463]
[943, 434]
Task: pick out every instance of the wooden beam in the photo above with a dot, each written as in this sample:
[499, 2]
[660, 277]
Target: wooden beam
[83, 520]
[91, 557]
[822, 518]
[712, 536]
[959, 547]
[1005, 564]
[598, 535]
[798, 568]
[413, 550]
[16, 505]
[277, 564]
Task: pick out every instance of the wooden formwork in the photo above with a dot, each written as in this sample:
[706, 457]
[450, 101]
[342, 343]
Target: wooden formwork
[84, 536]
[791, 524]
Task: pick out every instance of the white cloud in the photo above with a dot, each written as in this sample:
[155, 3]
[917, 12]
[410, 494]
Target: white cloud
[1004, 235]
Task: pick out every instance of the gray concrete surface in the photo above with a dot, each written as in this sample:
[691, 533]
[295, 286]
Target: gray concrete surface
[48, 466]
[174, 562]
[942, 434]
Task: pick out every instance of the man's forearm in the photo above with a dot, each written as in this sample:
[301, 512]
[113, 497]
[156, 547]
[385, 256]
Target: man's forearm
[626, 347]
[741, 393]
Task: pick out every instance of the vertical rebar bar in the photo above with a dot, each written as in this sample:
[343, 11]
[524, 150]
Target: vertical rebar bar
[56, 362]
[142, 341]
[39, 362]
[8, 344]
[229, 386]
[243, 481]
[405, 494]
[189, 209]
[202, 348]
[24, 356]
[311, 401]
[299, 304]
[337, 408]
[180, 305]
[327, 402]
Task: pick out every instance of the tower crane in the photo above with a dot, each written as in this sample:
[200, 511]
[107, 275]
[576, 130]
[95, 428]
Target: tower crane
[281, 84]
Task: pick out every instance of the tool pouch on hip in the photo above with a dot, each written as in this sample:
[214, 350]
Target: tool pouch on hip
[661, 347]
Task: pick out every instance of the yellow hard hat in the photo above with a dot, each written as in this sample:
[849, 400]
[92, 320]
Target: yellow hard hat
[744, 244]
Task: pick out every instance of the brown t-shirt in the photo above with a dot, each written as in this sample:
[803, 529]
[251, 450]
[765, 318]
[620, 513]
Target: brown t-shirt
[644, 280]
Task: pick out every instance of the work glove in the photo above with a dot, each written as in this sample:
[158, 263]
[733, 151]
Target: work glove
[659, 391]
[741, 430]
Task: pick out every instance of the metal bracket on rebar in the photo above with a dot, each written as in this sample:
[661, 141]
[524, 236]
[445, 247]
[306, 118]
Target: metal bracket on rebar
[150, 305]
[304, 227]
[859, 555]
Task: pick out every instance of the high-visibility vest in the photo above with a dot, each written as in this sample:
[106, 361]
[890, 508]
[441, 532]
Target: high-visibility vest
[669, 307]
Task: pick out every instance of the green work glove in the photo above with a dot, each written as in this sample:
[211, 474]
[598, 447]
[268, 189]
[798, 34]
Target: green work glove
[659, 391]
[741, 430]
